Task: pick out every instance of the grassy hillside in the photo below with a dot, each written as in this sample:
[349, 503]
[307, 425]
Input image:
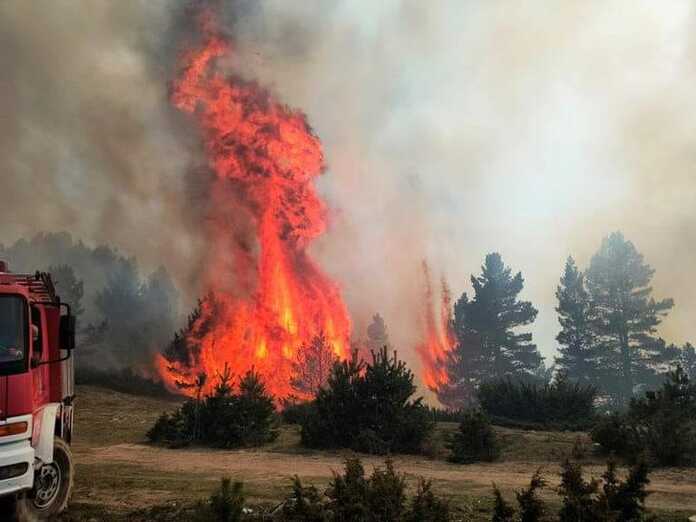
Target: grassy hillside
[121, 477]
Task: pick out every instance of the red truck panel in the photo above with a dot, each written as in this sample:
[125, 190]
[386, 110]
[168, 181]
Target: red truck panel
[15, 395]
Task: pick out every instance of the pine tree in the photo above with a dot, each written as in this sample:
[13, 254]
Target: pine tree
[624, 318]
[488, 343]
[579, 504]
[69, 287]
[377, 336]
[575, 338]
[312, 366]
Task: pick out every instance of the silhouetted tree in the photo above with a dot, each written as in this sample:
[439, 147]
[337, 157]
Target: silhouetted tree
[69, 287]
[486, 328]
[576, 340]
[312, 365]
[377, 336]
[624, 318]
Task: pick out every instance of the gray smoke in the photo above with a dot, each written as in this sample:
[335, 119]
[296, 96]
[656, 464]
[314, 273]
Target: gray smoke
[452, 129]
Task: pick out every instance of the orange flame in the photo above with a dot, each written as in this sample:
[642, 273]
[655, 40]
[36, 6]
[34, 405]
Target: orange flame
[439, 337]
[264, 213]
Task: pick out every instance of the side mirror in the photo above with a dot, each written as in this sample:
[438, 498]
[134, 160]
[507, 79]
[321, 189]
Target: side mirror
[67, 332]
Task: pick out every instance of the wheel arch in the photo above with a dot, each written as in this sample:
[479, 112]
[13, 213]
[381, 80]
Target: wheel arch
[45, 424]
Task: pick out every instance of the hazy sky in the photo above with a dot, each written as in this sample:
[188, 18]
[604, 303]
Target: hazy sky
[452, 129]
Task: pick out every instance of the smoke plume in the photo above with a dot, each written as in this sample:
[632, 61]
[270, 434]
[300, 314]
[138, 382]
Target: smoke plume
[451, 129]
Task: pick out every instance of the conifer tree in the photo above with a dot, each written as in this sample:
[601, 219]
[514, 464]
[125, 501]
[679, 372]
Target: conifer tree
[312, 365]
[69, 287]
[575, 338]
[625, 318]
[377, 336]
[486, 327]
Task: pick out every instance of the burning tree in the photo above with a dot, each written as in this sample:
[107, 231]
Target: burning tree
[312, 366]
[262, 215]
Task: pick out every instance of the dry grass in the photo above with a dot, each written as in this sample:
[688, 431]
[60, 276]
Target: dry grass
[119, 474]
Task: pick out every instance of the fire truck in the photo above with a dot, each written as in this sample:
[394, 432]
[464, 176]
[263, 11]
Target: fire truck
[37, 338]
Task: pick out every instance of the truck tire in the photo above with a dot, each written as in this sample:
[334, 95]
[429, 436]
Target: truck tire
[53, 486]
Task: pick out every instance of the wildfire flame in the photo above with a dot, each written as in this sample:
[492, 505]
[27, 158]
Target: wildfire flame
[439, 337]
[268, 296]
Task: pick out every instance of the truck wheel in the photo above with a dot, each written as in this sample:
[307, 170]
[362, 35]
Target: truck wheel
[53, 486]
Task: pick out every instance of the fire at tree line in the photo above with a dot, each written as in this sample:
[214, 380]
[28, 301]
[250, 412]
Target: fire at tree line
[612, 376]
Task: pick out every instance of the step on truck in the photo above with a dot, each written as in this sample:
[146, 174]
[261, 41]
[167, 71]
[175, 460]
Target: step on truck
[37, 338]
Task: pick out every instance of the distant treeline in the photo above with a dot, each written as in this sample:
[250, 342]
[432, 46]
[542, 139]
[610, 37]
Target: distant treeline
[124, 317]
[608, 330]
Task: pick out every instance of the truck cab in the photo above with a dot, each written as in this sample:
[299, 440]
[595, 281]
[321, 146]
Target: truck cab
[37, 338]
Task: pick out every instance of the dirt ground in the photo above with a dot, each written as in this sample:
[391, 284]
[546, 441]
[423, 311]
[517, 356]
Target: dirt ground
[118, 472]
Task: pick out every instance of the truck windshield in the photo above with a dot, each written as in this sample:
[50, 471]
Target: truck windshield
[13, 333]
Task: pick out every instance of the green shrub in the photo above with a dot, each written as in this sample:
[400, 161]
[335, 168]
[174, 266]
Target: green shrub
[660, 425]
[222, 419]
[561, 402]
[427, 506]
[226, 504]
[617, 436]
[582, 501]
[577, 494]
[475, 441]
[368, 407]
[353, 497]
[532, 508]
[349, 493]
[502, 511]
[305, 504]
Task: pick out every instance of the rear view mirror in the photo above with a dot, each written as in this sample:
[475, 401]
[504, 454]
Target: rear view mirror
[67, 332]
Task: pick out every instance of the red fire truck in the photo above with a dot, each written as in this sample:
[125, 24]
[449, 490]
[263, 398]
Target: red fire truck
[37, 338]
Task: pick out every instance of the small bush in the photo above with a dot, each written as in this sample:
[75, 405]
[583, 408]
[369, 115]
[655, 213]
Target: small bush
[226, 504]
[617, 436]
[475, 441]
[353, 497]
[582, 501]
[625, 501]
[660, 425]
[577, 494]
[305, 504]
[560, 403]
[502, 511]
[222, 419]
[348, 493]
[368, 407]
[532, 508]
[427, 506]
